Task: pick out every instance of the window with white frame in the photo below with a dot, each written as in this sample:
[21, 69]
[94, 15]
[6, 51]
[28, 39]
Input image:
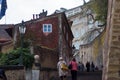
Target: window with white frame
[47, 27]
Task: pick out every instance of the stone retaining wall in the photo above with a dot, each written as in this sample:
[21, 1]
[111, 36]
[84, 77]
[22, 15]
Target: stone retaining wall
[14, 72]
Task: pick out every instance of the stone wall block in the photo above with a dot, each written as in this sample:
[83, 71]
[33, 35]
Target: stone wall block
[112, 73]
[116, 16]
[118, 38]
[119, 16]
[115, 51]
[114, 38]
[114, 61]
[113, 78]
[114, 68]
[117, 4]
[115, 43]
[116, 26]
[118, 1]
[116, 21]
[117, 32]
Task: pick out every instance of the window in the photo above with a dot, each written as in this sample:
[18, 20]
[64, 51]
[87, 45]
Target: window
[47, 27]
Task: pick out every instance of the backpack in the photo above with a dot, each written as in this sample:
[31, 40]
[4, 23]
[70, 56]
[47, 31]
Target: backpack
[64, 67]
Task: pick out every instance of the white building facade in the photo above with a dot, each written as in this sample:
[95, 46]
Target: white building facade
[83, 22]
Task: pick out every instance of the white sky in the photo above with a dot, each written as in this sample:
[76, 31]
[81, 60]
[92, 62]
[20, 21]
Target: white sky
[19, 10]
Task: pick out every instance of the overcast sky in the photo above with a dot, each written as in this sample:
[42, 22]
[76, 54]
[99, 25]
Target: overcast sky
[19, 10]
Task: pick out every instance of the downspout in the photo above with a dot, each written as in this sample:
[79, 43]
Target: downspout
[60, 35]
[15, 36]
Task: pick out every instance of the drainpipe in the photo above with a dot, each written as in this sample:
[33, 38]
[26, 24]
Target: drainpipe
[60, 36]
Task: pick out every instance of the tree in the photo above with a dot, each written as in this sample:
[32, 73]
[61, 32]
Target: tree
[90, 35]
[100, 8]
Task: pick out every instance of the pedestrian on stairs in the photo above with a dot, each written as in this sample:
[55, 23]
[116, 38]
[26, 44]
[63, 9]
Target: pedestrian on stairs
[74, 69]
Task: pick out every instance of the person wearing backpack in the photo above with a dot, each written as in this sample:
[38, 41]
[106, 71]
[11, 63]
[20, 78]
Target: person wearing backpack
[62, 72]
[74, 69]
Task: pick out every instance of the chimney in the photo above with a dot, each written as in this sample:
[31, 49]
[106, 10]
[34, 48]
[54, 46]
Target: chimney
[33, 16]
[43, 10]
[41, 15]
[37, 16]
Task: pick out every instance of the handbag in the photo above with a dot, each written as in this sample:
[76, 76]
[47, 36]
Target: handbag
[70, 66]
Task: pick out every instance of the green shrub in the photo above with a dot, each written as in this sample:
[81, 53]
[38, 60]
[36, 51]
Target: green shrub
[13, 57]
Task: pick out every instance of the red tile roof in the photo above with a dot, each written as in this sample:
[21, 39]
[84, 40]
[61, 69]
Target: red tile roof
[4, 36]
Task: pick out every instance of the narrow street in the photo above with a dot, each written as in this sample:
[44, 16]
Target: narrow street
[97, 75]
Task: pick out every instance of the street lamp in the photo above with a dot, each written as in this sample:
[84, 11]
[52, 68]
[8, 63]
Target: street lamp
[22, 29]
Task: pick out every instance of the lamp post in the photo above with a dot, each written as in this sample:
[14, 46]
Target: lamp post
[36, 68]
[22, 29]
